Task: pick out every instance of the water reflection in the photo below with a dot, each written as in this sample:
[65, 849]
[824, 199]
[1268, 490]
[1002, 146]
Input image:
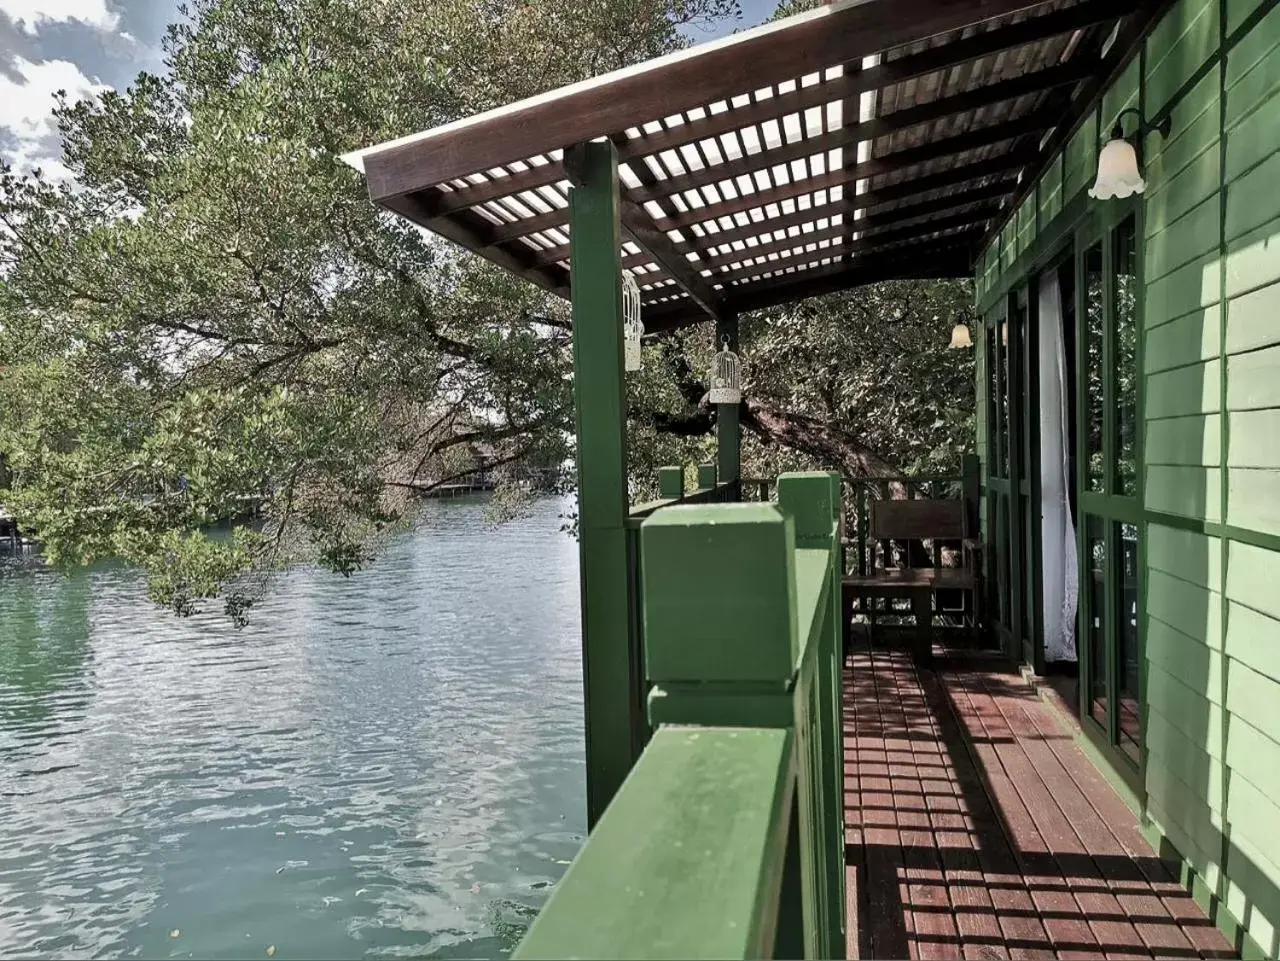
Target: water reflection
[388, 765]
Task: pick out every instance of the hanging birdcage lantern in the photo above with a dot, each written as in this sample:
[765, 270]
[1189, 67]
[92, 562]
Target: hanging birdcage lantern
[726, 377]
[632, 327]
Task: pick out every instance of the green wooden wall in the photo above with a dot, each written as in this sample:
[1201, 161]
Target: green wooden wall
[1211, 416]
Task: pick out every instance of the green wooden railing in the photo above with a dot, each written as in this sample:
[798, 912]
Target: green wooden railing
[727, 838]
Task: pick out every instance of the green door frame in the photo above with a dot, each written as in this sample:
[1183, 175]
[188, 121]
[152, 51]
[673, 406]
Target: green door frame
[1108, 507]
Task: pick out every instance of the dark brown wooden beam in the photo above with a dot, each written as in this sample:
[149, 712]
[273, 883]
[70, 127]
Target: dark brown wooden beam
[980, 45]
[473, 232]
[885, 74]
[867, 238]
[850, 134]
[767, 55]
[932, 263]
[869, 247]
[899, 159]
[877, 166]
[639, 225]
[944, 260]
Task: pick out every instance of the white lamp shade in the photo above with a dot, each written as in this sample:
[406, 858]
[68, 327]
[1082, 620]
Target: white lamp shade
[1118, 174]
[960, 337]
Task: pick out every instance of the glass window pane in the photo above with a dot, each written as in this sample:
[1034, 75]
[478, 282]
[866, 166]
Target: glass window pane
[1096, 611]
[993, 402]
[1125, 251]
[1003, 350]
[1128, 666]
[1093, 396]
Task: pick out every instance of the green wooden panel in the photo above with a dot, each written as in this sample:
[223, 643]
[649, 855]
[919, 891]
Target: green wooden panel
[1195, 128]
[1252, 575]
[1009, 243]
[1189, 238]
[1253, 379]
[1183, 40]
[729, 590]
[1254, 697]
[1081, 158]
[1190, 441]
[1185, 191]
[1252, 199]
[1191, 661]
[1253, 639]
[1251, 70]
[1186, 340]
[1187, 807]
[1187, 390]
[1206, 864]
[1186, 760]
[1251, 320]
[1253, 140]
[1237, 10]
[1199, 719]
[1198, 284]
[1253, 260]
[1185, 554]
[1254, 816]
[1194, 492]
[1254, 439]
[1194, 610]
[1026, 223]
[698, 832]
[1253, 756]
[1253, 499]
[1121, 94]
[1253, 890]
[1049, 192]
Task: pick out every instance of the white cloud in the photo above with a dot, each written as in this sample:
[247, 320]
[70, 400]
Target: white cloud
[26, 110]
[29, 14]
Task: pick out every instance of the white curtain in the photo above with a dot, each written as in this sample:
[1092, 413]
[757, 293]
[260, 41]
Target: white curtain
[1058, 536]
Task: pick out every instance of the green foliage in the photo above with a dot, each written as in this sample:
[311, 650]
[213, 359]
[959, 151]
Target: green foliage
[212, 320]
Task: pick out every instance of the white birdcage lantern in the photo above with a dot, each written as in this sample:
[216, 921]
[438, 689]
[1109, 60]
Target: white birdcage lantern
[726, 377]
[632, 327]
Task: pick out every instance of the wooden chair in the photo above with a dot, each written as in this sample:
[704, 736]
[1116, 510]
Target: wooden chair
[905, 521]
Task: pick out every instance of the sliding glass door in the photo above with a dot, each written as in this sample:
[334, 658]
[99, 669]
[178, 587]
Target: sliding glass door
[1110, 540]
[1009, 484]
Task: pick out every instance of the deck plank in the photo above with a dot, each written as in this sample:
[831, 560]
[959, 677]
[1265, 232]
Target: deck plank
[977, 828]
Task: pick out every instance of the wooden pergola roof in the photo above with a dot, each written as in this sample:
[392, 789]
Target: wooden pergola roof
[867, 140]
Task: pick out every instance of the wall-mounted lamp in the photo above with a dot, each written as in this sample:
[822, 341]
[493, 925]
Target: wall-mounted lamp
[1119, 166]
[960, 337]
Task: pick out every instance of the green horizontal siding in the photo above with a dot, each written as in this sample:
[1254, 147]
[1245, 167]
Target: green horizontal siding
[1184, 39]
[1190, 492]
[1185, 390]
[1183, 341]
[1254, 439]
[1184, 441]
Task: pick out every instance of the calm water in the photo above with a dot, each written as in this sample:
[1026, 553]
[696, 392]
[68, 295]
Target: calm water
[385, 766]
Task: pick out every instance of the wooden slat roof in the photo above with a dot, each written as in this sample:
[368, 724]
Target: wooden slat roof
[867, 140]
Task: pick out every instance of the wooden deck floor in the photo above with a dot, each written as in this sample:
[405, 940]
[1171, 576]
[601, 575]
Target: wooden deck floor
[976, 827]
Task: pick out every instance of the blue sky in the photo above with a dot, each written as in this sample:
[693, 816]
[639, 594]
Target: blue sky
[86, 45]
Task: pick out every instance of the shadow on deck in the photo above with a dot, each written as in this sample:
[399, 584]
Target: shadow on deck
[976, 827]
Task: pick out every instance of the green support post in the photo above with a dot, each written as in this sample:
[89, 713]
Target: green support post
[599, 398]
[706, 476]
[728, 427]
[670, 483]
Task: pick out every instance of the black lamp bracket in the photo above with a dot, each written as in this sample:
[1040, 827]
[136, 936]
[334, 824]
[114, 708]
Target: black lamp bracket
[1163, 126]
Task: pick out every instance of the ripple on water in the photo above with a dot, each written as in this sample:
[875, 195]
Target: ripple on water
[388, 765]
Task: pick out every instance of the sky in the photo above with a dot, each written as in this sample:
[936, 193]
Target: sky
[85, 46]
